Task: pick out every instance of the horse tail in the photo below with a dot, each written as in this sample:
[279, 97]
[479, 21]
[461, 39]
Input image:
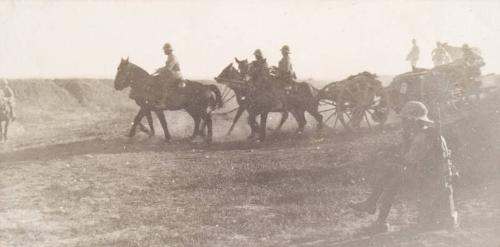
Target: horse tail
[218, 95]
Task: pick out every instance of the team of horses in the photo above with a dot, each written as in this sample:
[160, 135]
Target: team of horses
[200, 100]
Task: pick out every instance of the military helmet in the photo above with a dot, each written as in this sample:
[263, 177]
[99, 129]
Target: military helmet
[415, 110]
[285, 49]
[258, 52]
[167, 46]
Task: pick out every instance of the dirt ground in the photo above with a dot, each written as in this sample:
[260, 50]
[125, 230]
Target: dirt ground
[76, 180]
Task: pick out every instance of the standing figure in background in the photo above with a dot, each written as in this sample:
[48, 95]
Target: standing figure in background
[439, 55]
[8, 94]
[414, 54]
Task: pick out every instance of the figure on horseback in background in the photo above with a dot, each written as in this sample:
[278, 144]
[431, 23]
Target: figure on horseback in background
[285, 71]
[473, 63]
[259, 71]
[170, 75]
[439, 55]
[8, 95]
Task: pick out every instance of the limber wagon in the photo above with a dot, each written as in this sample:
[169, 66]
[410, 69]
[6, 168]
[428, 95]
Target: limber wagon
[353, 101]
[446, 87]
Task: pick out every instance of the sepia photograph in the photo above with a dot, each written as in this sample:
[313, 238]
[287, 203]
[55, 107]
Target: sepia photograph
[349, 123]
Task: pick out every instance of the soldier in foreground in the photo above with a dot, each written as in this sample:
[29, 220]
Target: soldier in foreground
[427, 165]
[413, 55]
[8, 94]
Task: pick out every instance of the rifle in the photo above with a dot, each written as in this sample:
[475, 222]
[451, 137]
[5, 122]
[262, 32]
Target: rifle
[452, 172]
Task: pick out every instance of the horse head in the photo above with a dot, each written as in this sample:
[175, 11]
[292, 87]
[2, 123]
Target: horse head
[228, 73]
[243, 67]
[122, 77]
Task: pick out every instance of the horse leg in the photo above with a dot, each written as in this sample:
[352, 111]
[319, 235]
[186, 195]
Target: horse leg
[151, 124]
[202, 128]
[1, 132]
[137, 121]
[253, 125]
[284, 117]
[319, 118]
[163, 121]
[197, 120]
[208, 122]
[301, 120]
[236, 118]
[263, 121]
[5, 130]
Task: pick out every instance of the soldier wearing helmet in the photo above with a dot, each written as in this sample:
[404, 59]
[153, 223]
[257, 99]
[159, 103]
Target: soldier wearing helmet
[170, 75]
[285, 69]
[8, 94]
[426, 163]
[259, 70]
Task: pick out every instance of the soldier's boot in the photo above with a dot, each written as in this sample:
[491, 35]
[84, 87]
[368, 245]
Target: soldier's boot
[368, 206]
[378, 227]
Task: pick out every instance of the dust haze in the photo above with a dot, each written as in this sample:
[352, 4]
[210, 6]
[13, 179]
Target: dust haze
[71, 174]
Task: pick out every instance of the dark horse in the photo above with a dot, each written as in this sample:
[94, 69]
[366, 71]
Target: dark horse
[5, 118]
[242, 100]
[275, 98]
[195, 98]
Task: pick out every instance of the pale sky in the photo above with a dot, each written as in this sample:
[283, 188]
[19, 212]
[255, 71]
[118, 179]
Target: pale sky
[328, 39]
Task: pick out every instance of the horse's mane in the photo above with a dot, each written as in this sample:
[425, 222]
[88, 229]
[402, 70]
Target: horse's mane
[138, 68]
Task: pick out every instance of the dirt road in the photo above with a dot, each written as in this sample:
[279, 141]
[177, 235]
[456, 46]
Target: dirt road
[79, 182]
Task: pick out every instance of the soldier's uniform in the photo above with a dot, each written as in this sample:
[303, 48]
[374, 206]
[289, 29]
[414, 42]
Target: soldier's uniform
[413, 55]
[259, 71]
[426, 165]
[473, 63]
[170, 75]
[285, 69]
[439, 55]
[8, 94]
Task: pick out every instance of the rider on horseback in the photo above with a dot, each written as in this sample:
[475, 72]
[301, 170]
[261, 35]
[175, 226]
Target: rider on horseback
[170, 75]
[473, 62]
[259, 70]
[8, 94]
[285, 71]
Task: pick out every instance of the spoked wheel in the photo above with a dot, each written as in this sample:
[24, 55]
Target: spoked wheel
[229, 100]
[336, 114]
[351, 117]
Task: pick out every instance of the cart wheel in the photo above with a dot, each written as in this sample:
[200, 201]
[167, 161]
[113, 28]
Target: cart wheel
[229, 101]
[335, 114]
